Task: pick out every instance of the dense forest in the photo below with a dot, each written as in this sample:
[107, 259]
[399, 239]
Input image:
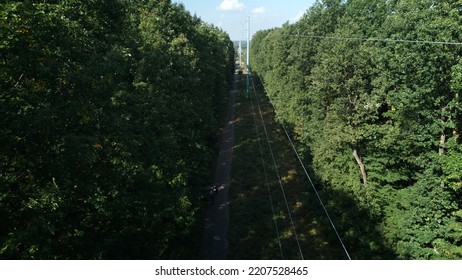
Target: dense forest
[376, 106]
[109, 115]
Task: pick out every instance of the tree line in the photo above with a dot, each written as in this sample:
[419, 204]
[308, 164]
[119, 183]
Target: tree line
[378, 117]
[109, 114]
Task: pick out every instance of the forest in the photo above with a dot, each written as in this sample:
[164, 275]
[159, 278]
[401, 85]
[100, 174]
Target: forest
[109, 114]
[372, 91]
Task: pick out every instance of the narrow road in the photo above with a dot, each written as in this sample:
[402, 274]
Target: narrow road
[214, 244]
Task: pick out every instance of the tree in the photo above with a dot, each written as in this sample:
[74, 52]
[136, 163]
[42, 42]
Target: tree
[376, 115]
[105, 141]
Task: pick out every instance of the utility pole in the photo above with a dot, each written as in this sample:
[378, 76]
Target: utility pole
[240, 53]
[248, 57]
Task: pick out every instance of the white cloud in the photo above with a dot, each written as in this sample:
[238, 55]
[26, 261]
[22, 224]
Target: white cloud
[231, 5]
[297, 17]
[259, 10]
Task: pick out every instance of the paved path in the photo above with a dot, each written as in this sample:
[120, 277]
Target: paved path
[214, 244]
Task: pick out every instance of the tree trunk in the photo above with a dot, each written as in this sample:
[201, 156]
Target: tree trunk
[361, 165]
[442, 144]
[441, 152]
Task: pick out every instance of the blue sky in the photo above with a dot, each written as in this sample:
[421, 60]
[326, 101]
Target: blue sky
[231, 15]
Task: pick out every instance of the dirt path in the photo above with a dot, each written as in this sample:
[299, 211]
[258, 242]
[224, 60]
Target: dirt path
[214, 244]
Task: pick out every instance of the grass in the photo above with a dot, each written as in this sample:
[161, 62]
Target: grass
[253, 232]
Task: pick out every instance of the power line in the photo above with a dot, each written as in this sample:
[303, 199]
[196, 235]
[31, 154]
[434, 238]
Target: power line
[266, 177]
[276, 168]
[374, 39]
[311, 182]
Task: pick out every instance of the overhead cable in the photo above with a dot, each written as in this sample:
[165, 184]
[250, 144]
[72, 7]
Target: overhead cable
[266, 177]
[374, 39]
[277, 172]
[311, 182]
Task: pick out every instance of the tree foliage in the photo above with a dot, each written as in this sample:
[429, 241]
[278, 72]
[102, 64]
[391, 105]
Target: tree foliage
[380, 119]
[109, 112]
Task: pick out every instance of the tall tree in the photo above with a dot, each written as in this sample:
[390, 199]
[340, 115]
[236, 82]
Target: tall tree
[377, 114]
[105, 141]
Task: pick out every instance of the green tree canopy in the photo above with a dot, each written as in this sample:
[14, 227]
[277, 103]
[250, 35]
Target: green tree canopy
[379, 117]
[108, 111]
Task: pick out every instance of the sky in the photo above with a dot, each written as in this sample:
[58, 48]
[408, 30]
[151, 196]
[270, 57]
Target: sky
[232, 15]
